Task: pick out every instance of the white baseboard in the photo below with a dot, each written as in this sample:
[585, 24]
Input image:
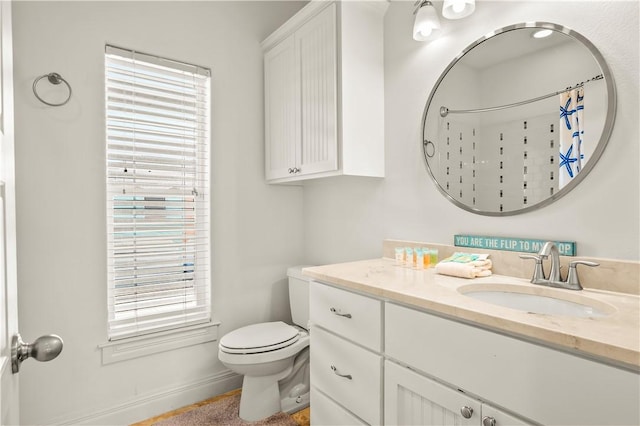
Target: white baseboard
[153, 404]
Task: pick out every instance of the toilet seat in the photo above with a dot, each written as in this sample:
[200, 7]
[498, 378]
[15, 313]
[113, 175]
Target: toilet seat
[259, 338]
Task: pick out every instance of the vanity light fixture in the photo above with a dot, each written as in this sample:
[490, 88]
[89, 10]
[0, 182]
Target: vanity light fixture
[457, 9]
[427, 25]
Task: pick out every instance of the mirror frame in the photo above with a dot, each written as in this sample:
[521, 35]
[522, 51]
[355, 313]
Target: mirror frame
[604, 137]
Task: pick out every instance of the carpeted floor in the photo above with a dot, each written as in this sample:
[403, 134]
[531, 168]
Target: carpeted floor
[222, 410]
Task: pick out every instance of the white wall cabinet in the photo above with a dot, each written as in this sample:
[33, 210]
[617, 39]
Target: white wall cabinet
[324, 93]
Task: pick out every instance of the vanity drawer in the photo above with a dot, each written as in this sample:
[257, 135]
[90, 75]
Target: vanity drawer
[351, 315]
[326, 412]
[359, 387]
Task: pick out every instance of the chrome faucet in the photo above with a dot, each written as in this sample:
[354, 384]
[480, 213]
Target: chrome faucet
[549, 248]
[555, 279]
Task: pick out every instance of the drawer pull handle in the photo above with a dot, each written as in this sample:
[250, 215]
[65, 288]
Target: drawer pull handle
[335, 371]
[335, 311]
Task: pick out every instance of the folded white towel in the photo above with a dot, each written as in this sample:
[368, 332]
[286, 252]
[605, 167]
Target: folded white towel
[465, 265]
[462, 270]
[482, 264]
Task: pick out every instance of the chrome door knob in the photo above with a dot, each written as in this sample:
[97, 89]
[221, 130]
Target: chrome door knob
[45, 348]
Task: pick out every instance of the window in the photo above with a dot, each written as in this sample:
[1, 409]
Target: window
[157, 140]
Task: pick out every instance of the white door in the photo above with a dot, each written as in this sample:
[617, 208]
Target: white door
[8, 286]
[12, 350]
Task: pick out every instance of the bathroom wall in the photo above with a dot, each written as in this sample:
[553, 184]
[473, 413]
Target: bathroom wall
[258, 229]
[60, 153]
[347, 218]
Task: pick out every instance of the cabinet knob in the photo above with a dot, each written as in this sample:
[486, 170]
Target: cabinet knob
[290, 170]
[296, 170]
[466, 412]
[488, 421]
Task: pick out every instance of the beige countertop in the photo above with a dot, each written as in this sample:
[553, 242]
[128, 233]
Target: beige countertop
[614, 338]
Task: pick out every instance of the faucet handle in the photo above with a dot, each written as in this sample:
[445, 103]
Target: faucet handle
[535, 257]
[573, 281]
[574, 263]
[538, 270]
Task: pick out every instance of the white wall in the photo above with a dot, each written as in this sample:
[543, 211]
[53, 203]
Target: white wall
[347, 218]
[257, 229]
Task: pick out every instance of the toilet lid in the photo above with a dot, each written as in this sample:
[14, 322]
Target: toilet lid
[263, 337]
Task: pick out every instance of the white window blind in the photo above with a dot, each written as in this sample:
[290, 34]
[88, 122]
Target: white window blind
[157, 136]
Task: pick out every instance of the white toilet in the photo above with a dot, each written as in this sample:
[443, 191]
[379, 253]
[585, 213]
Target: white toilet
[273, 357]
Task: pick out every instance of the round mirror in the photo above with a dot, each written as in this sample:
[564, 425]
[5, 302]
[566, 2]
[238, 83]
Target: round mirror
[518, 119]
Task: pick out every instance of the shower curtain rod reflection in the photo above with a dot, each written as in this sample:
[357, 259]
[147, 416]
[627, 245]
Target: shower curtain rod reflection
[444, 111]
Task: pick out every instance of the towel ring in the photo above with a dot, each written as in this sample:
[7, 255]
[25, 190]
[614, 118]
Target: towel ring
[54, 78]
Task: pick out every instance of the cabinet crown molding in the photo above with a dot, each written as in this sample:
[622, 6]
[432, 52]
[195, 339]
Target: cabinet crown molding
[309, 11]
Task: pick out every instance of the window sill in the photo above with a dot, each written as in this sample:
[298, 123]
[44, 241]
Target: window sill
[135, 347]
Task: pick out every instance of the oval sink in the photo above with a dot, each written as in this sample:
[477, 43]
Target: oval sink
[541, 300]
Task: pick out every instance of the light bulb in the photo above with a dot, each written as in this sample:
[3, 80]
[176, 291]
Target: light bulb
[456, 9]
[425, 32]
[458, 6]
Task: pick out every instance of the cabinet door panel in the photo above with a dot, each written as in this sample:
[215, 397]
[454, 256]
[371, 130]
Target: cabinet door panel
[316, 50]
[412, 399]
[351, 315]
[281, 109]
[349, 373]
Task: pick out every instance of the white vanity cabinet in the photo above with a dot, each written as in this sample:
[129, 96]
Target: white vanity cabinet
[324, 92]
[536, 383]
[346, 363]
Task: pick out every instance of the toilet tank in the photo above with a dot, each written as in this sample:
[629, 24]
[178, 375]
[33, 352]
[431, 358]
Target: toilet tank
[298, 296]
